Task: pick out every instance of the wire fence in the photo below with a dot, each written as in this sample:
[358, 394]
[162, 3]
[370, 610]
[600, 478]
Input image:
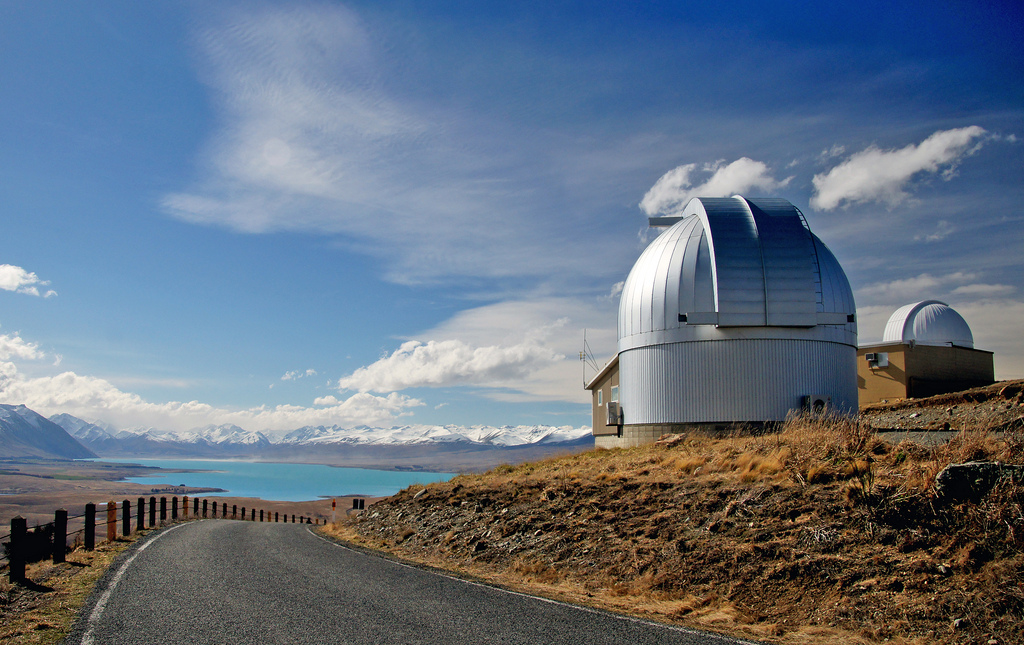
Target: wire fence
[24, 545]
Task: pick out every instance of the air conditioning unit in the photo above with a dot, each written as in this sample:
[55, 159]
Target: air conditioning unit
[877, 359]
[816, 403]
[614, 413]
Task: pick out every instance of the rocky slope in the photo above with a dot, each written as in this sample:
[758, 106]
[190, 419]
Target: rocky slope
[995, 407]
[825, 532]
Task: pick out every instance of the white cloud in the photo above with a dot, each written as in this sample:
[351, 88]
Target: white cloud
[524, 350]
[17, 279]
[676, 187]
[906, 290]
[876, 175]
[12, 346]
[297, 374]
[942, 230]
[96, 398]
[317, 138]
[92, 397]
[985, 290]
[831, 153]
[449, 362]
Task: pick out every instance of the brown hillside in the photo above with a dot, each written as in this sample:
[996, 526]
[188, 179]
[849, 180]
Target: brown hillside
[822, 533]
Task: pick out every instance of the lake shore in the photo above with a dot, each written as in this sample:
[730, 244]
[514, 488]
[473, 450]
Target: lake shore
[34, 489]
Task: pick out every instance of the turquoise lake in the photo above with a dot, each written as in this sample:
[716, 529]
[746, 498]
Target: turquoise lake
[283, 482]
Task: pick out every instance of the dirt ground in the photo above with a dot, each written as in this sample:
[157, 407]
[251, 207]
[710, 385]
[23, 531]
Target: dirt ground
[825, 532]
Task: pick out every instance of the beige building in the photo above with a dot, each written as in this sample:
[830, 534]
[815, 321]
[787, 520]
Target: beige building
[927, 349]
[604, 388]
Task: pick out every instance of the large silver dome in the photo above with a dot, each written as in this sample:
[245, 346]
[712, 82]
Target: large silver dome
[734, 314]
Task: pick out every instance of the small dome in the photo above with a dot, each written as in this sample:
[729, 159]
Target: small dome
[928, 322]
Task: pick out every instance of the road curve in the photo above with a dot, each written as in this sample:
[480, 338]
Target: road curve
[222, 581]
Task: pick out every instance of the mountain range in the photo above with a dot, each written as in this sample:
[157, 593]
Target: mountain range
[25, 433]
[413, 446]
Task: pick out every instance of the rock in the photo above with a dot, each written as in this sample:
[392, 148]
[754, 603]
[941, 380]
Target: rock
[972, 480]
[1010, 391]
[959, 623]
[420, 493]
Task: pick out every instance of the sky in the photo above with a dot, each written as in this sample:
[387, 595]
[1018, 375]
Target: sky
[394, 212]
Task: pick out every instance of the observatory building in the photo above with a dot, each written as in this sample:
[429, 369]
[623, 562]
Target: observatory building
[927, 348]
[735, 315]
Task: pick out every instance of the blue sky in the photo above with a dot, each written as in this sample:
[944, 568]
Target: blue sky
[281, 214]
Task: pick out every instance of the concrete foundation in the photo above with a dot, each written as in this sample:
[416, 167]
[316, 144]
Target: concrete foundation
[631, 436]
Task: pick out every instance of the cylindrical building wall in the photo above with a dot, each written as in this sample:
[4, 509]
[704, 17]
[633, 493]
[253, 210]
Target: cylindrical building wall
[733, 381]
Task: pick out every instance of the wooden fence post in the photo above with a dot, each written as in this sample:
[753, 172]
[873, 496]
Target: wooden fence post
[152, 512]
[16, 567]
[293, 519]
[195, 507]
[174, 507]
[140, 523]
[243, 513]
[253, 515]
[184, 505]
[90, 527]
[126, 518]
[234, 511]
[111, 520]
[60, 534]
[214, 509]
[163, 510]
[204, 507]
[224, 509]
[275, 516]
[261, 514]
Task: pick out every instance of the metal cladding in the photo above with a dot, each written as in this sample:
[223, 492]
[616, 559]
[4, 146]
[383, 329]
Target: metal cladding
[929, 322]
[735, 314]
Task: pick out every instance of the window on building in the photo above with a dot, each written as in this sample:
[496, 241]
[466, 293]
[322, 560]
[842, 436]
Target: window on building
[615, 393]
[600, 397]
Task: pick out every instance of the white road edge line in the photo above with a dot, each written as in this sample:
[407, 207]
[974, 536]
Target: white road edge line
[97, 611]
[683, 630]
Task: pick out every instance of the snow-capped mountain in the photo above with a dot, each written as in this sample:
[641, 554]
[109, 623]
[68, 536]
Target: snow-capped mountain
[82, 430]
[211, 435]
[25, 433]
[233, 437]
[415, 434]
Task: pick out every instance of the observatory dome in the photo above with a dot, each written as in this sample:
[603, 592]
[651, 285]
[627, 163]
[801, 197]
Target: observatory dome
[929, 322]
[735, 314]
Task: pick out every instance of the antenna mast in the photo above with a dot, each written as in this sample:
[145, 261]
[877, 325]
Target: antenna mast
[587, 358]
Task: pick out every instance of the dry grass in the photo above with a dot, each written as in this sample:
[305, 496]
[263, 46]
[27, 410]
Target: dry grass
[45, 611]
[822, 532]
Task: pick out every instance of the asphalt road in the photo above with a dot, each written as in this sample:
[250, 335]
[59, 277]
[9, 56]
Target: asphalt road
[222, 581]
